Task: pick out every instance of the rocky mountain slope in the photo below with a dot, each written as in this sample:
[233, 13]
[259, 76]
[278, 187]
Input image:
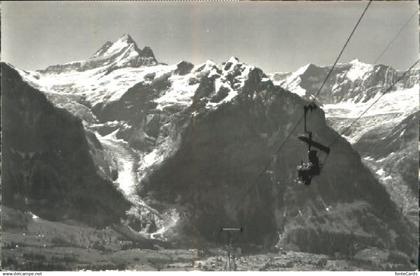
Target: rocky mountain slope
[54, 167]
[393, 156]
[190, 144]
[385, 136]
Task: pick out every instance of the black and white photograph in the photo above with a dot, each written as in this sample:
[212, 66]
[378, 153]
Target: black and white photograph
[209, 136]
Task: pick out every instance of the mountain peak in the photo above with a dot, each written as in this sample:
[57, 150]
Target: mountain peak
[233, 59]
[147, 51]
[123, 52]
[356, 61]
[126, 38]
[123, 43]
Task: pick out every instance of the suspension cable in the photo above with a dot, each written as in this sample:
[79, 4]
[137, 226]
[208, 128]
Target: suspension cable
[395, 37]
[319, 90]
[375, 101]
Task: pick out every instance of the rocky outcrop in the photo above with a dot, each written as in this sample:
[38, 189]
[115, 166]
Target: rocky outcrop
[54, 168]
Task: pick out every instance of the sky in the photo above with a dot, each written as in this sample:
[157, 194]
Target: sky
[275, 36]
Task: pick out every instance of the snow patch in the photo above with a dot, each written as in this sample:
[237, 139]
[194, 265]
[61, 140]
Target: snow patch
[179, 94]
[368, 158]
[151, 158]
[126, 162]
[292, 82]
[170, 220]
[117, 46]
[404, 101]
[34, 217]
[358, 70]
[205, 67]
[380, 172]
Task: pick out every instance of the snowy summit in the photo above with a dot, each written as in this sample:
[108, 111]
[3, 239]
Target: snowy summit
[124, 52]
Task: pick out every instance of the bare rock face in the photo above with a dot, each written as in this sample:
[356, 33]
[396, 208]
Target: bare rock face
[54, 168]
[393, 156]
[184, 68]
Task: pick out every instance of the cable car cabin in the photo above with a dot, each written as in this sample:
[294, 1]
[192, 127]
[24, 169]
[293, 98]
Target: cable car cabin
[307, 170]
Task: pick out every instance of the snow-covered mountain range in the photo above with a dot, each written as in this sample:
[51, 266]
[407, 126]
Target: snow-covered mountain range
[349, 82]
[350, 90]
[186, 145]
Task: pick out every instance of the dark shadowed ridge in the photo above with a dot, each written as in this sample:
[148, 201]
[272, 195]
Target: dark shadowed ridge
[53, 166]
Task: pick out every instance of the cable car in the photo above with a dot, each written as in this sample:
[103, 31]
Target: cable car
[312, 167]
